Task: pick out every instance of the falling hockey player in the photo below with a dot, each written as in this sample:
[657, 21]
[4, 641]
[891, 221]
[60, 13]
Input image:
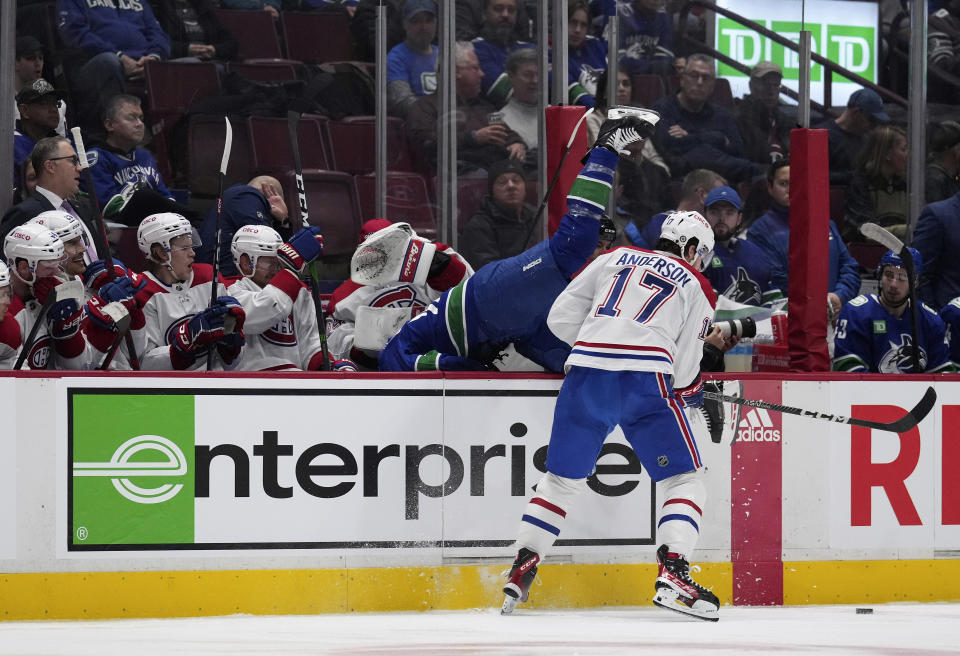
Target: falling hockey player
[636, 321]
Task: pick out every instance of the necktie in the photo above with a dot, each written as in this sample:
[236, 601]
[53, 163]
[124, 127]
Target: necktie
[68, 208]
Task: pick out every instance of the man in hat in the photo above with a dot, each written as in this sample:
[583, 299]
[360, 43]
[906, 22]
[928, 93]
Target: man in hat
[412, 65]
[27, 67]
[760, 116]
[847, 134]
[39, 105]
[502, 226]
[739, 270]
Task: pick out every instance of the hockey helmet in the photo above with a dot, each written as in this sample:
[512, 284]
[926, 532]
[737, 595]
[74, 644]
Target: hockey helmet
[608, 229]
[67, 226]
[34, 243]
[681, 227]
[255, 241]
[893, 259]
[160, 229]
[4, 275]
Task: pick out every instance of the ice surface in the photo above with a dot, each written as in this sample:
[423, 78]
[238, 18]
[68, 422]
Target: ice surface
[916, 629]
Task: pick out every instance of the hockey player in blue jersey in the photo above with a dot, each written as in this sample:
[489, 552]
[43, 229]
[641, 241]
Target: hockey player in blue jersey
[874, 330]
[739, 270]
[507, 301]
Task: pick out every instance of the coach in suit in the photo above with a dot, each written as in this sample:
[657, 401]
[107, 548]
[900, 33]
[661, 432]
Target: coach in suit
[58, 179]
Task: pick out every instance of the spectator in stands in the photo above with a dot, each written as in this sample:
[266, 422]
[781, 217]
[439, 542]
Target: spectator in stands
[646, 38]
[118, 164]
[39, 105]
[28, 182]
[847, 134]
[943, 50]
[503, 225]
[258, 202]
[412, 65]
[195, 31]
[641, 189]
[470, 13]
[874, 333]
[479, 143]
[771, 232]
[937, 237]
[599, 114]
[272, 7]
[694, 133]
[521, 113]
[586, 56]
[363, 26]
[739, 270]
[760, 117]
[694, 189]
[943, 163]
[878, 190]
[58, 179]
[28, 67]
[496, 41]
[116, 41]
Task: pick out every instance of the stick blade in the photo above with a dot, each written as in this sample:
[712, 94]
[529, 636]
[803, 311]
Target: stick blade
[919, 411]
[882, 236]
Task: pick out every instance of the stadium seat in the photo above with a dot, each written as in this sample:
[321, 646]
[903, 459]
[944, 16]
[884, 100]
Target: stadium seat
[867, 254]
[838, 202]
[205, 150]
[173, 87]
[255, 32]
[317, 37]
[647, 89]
[407, 201]
[280, 70]
[332, 205]
[353, 144]
[722, 94]
[270, 144]
[470, 193]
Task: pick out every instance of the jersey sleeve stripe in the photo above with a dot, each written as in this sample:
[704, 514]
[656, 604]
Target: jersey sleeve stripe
[426, 362]
[456, 319]
[627, 356]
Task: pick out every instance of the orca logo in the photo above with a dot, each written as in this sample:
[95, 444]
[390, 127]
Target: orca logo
[121, 468]
[759, 427]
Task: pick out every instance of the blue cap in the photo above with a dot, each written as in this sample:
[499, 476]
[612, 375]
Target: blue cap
[413, 7]
[724, 194]
[869, 101]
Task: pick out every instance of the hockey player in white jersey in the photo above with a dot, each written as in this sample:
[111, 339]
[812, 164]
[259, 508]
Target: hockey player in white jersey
[636, 321]
[281, 323]
[73, 234]
[181, 331]
[10, 339]
[35, 257]
[362, 318]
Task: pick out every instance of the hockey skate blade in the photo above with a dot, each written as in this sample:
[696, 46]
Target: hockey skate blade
[667, 598]
[509, 603]
[621, 111]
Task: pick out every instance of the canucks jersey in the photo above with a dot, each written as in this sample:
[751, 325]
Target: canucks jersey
[740, 271]
[951, 317]
[870, 339]
[636, 310]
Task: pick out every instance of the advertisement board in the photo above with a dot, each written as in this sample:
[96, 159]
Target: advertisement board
[220, 466]
[8, 469]
[843, 32]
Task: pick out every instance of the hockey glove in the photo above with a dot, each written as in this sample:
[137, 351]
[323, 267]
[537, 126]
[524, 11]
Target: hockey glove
[201, 329]
[102, 322]
[343, 365]
[43, 287]
[234, 315]
[230, 346]
[302, 249]
[97, 275]
[63, 319]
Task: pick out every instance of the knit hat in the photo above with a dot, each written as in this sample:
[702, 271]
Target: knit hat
[501, 167]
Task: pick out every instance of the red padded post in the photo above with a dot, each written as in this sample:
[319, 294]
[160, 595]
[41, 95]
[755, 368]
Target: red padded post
[560, 122]
[809, 249]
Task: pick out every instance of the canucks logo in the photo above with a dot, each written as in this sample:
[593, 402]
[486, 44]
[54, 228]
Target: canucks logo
[743, 289]
[898, 360]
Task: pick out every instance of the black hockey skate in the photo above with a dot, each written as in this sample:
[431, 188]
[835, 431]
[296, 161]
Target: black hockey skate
[676, 591]
[624, 126]
[519, 580]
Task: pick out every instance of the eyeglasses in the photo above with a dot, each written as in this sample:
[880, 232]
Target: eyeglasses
[699, 77]
[73, 158]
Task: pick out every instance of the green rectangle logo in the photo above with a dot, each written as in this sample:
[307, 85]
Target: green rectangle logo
[132, 477]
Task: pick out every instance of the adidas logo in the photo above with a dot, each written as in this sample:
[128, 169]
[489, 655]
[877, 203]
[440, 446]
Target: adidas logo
[759, 427]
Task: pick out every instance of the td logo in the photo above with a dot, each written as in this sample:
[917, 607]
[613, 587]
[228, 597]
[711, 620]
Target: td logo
[122, 466]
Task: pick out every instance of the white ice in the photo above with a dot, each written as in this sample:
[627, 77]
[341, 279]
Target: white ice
[915, 629]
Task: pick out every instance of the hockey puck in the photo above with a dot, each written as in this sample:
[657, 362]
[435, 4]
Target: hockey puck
[864, 611]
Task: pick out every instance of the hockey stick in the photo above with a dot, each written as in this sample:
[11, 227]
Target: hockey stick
[41, 316]
[902, 425]
[293, 120]
[885, 238]
[103, 249]
[224, 162]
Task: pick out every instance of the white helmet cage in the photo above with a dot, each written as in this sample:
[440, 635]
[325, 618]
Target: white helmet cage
[34, 243]
[255, 241]
[160, 229]
[67, 226]
[681, 227]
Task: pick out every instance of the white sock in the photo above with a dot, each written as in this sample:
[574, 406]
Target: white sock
[684, 496]
[546, 511]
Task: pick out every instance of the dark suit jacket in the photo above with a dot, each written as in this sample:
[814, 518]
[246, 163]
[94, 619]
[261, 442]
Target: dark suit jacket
[37, 203]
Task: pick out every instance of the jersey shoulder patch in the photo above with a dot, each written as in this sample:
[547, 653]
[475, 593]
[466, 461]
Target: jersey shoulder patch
[859, 300]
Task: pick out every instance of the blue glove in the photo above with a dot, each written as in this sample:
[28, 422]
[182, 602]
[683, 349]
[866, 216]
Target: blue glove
[232, 308]
[302, 249]
[122, 290]
[96, 274]
[203, 328]
[230, 346]
[63, 318]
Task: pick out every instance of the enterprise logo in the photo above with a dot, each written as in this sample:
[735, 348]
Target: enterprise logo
[121, 468]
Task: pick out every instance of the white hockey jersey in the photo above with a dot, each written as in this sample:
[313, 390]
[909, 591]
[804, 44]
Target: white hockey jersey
[395, 298]
[638, 310]
[46, 352]
[281, 324]
[10, 341]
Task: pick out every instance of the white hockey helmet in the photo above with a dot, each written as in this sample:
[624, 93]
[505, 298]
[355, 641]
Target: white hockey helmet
[4, 275]
[681, 227]
[256, 241]
[67, 226]
[34, 243]
[160, 229]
